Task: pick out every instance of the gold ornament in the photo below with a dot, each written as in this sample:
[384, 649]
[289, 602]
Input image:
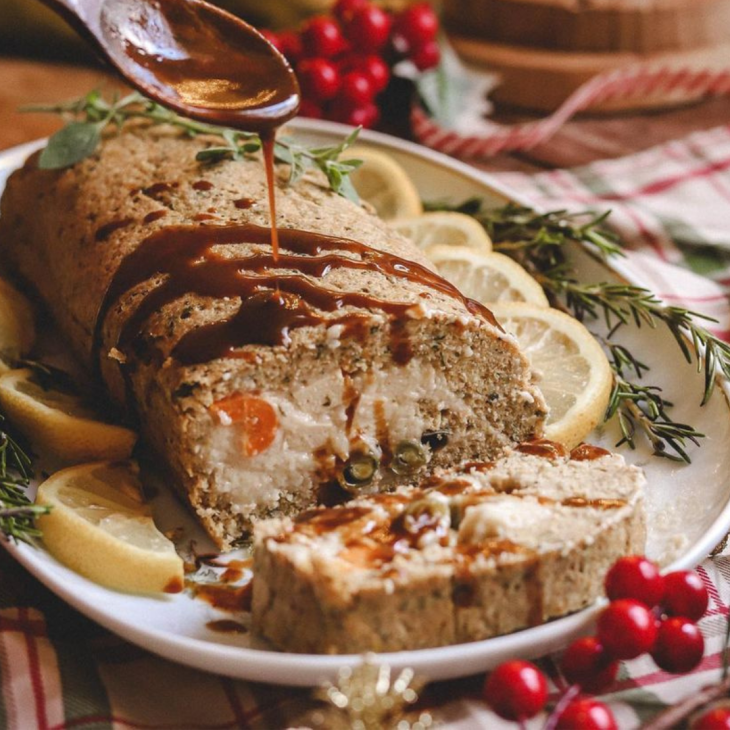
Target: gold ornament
[366, 698]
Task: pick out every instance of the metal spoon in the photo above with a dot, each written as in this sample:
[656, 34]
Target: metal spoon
[191, 57]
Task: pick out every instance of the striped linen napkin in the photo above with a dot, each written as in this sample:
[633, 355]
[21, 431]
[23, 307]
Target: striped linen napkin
[58, 670]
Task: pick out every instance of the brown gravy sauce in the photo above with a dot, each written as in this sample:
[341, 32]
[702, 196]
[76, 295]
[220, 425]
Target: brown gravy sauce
[174, 585]
[226, 626]
[156, 190]
[480, 467]
[543, 448]
[370, 540]
[351, 398]
[594, 503]
[273, 304]
[464, 586]
[106, 230]
[268, 139]
[588, 452]
[382, 433]
[451, 487]
[155, 215]
[224, 597]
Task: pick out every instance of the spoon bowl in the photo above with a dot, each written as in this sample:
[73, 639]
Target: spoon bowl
[191, 57]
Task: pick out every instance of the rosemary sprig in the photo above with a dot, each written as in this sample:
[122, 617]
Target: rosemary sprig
[643, 407]
[621, 303]
[517, 228]
[88, 116]
[17, 514]
[538, 241]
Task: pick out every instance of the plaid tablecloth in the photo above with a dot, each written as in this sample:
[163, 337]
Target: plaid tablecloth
[59, 670]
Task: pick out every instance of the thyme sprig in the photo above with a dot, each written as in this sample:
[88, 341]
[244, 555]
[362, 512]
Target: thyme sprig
[539, 242]
[17, 514]
[88, 117]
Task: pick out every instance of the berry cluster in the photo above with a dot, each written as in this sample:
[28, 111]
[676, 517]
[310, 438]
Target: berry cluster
[648, 613]
[344, 61]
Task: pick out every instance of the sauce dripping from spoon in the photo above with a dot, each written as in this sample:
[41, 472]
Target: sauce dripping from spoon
[196, 59]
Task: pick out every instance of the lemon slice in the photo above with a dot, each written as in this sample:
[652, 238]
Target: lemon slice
[100, 527]
[574, 374]
[445, 229]
[17, 330]
[383, 183]
[58, 423]
[486, 277]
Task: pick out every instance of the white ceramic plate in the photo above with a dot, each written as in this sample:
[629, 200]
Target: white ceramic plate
[688, 506]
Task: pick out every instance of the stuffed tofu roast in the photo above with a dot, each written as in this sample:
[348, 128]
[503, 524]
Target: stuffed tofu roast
[261, 381]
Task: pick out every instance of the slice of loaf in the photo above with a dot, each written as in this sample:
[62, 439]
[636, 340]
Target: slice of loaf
[347, 355]
[473, 553]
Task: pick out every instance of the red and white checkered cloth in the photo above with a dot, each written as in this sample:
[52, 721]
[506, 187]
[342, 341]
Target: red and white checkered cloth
[58, 670]
[634, 83]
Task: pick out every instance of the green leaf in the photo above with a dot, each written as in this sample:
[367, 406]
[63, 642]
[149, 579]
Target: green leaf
[283, 154]
[70, 145]
[299, 165]
[350, 165]
[92, 113]
[347, 190]
[230, 136]
[214, 154]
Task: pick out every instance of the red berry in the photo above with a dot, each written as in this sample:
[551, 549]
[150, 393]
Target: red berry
[356, 89]
[373, 66]
[308, 108]
[685, 594]
[290, 44]
[635, 577]
[679, 645]
[516, 690]
[343, 9]
[426, 56]
[716, 719]
[319, 78]
[586, 714]
[368, 29]
[366, 116]
[417, 25]
[627, 629]
[586, 663]
[322, 37]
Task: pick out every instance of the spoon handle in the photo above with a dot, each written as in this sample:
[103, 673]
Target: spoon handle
[83, 16]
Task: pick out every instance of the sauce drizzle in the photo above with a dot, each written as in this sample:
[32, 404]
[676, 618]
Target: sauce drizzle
[588, 452]
[272, 303]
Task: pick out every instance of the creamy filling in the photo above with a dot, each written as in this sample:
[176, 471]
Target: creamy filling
[387, 405]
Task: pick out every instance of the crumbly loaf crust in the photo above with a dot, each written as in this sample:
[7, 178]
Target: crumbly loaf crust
[66, 233]
[533, 551]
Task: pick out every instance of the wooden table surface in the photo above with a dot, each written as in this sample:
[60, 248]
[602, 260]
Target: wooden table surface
[580, 141]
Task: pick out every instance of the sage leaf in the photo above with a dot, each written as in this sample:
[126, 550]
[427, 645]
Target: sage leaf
[70, 145]
[92, 113]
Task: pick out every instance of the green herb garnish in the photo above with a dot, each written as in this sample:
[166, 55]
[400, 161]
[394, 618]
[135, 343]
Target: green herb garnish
[538, 242]
[17, 513]
[90, 115]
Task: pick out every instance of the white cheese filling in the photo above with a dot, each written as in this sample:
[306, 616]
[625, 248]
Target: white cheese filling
[313, 419]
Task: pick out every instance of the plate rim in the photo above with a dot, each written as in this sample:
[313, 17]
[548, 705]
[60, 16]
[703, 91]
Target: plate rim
[276, 667]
